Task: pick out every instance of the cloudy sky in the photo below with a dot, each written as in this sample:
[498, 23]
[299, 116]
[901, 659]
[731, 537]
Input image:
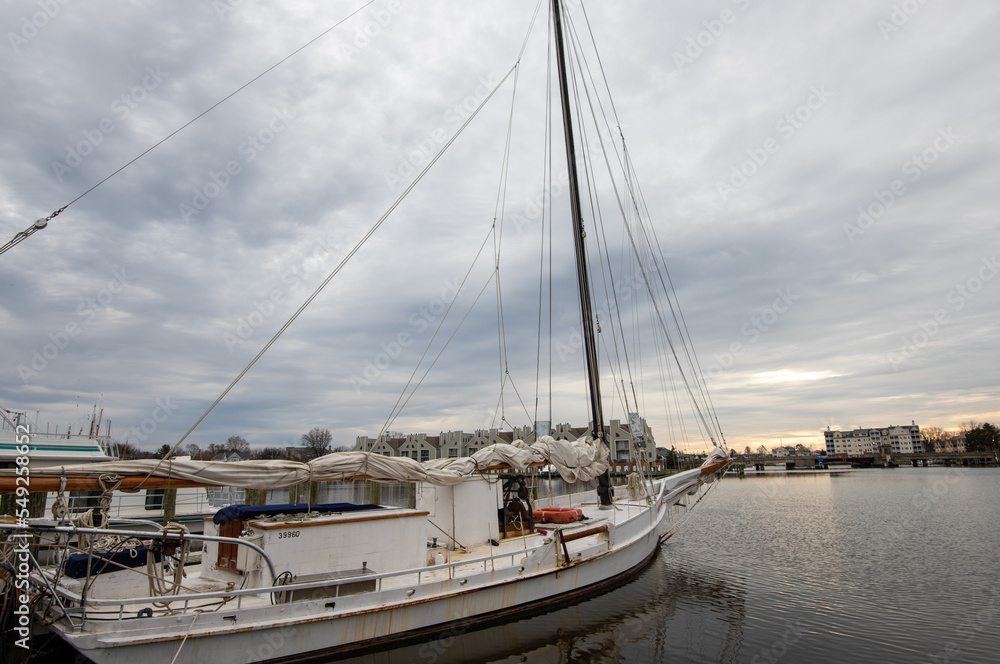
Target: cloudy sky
[822, 177]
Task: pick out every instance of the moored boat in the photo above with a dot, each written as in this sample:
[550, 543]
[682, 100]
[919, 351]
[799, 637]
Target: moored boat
[280, 583]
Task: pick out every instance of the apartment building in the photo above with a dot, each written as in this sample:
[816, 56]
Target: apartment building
[452, 444]
[893, 439]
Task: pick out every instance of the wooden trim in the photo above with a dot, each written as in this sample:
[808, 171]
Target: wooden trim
[47, 484]
[328, 520]
[569, 537]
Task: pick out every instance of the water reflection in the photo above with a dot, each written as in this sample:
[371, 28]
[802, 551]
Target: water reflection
[670, 611]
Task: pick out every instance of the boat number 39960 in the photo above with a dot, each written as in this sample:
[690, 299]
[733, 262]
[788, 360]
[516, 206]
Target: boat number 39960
[285, 534]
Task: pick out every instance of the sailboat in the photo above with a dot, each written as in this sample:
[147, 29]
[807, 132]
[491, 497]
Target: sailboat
[286, 582]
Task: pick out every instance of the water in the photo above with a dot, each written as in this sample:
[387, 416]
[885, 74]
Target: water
[889, 566]
[883, 566]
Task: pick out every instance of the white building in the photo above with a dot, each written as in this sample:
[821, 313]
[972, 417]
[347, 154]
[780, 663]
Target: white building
[904, 439]
[451, 444]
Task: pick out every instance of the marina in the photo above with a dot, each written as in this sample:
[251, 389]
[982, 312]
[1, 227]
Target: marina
[416, 231]
[354, 577]
[856, 567]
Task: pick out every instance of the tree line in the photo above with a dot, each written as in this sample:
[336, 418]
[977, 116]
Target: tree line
[983, 437]
[979, 437]
[315, 443]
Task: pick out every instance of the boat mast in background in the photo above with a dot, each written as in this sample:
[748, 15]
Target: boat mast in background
[586, 310]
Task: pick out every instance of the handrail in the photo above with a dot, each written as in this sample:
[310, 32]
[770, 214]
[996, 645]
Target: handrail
[216, 594]
[322, 583]
[139, 535]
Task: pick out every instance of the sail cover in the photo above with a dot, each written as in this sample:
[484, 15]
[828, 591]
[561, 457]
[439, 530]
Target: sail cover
[576, 461]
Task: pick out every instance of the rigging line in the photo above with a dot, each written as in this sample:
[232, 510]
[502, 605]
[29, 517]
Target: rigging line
[622, 165]
[508, 378]
[683, 321]
[513, 386]
[656, 257]
[600, 105]
[336, 270]
[441, 352]
[444, 316]
[666, 372]
[500, 208]
[501, 201]
[631, 272]
[650, 289]
[496, 409]
[531, 25]
[687, 343]
[599, 223]
[205, 112]
[600, 66]
[551, 137]
[573, 91]
[575, 81]
[546, 202]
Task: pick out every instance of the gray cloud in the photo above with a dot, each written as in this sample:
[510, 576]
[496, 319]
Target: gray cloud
[294, 169]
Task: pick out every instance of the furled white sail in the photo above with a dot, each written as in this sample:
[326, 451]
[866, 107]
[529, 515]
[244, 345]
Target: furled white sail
[579, 460]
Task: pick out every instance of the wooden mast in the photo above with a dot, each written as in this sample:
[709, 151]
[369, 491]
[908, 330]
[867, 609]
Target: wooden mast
[586, 310]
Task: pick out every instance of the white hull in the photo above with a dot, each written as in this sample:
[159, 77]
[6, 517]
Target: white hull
[398, 613]
[316, 631]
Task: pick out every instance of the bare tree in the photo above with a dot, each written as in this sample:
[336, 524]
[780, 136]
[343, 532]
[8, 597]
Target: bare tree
[317, 442]
[237, 444]
[933, 437]
[127, 451]
[269, 453]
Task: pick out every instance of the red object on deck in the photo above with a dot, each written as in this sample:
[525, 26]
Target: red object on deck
[558, 514]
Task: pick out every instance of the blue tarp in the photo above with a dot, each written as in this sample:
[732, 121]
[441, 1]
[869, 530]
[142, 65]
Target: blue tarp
[76, 564]
[247, 512]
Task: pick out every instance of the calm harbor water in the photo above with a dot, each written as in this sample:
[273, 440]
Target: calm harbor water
[890, 566]
[884, 566]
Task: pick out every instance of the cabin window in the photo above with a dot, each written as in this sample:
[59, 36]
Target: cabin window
[154, 499]
[81, 501]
